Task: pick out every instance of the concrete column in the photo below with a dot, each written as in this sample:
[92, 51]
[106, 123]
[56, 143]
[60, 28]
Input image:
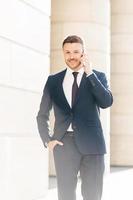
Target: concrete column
[122, 83]
[24, 67]
[91, 21]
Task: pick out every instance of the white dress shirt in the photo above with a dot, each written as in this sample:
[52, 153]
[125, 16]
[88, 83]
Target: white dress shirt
[67, 86]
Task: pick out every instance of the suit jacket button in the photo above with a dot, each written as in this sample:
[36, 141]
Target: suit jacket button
[71, 114]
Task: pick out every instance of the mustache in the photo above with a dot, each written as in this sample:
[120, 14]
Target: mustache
[72, 59]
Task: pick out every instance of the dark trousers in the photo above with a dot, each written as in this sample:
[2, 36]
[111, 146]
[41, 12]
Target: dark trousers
[68, 162]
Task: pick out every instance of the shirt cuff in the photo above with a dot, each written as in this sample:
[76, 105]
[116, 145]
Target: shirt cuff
[46, 144]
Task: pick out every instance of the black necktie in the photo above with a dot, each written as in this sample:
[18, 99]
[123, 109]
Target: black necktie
[74, 87]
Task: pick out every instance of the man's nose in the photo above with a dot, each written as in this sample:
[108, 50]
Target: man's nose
[71, 56]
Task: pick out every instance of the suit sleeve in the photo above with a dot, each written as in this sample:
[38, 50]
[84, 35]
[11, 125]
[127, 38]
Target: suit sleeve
[43, 115]
[100, 90]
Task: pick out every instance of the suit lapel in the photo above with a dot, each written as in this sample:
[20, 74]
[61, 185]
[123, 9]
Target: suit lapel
[61, 91]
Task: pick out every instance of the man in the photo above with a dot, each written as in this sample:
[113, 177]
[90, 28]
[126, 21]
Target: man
[76, 94]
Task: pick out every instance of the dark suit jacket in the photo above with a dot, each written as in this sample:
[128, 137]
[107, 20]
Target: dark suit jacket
[93, 94]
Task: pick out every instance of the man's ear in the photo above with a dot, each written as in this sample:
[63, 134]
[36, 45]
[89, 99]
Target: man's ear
[82, 54]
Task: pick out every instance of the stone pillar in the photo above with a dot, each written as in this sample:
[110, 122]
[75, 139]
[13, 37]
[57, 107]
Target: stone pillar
[24, 67]
[122, 83]
[91, 21]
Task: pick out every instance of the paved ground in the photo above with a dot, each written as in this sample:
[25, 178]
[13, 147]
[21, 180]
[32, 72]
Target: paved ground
[118, 185]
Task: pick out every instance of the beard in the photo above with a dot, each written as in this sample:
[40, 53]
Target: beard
[73, 63]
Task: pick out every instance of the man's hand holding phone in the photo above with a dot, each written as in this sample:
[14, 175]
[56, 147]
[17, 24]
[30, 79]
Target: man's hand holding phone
[87, 65]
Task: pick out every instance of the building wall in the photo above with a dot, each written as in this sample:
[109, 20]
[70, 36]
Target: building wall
[24, 67]
[91, 21]
[122, 83]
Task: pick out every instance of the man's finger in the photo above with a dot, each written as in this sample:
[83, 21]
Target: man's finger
[60, 143]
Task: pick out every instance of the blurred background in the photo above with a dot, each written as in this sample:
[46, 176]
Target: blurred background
[31, 35]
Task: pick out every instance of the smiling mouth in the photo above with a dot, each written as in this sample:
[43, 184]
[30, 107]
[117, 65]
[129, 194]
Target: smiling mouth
[72, 61]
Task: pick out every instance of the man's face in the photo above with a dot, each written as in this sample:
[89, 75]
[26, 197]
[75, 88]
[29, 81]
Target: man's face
[73, 53]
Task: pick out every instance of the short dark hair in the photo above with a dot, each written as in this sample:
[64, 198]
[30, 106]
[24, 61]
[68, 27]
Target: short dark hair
[72, 39]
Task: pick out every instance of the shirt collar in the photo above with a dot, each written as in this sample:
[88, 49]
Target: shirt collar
[69, 71]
